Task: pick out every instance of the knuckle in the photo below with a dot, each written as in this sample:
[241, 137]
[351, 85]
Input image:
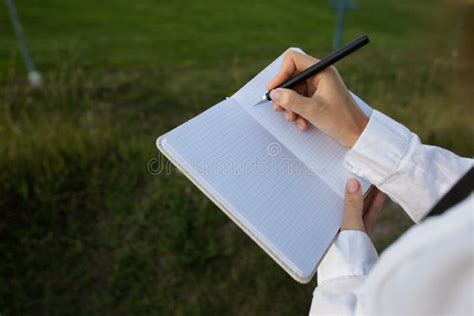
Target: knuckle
[353, 202]
[289, 52]
[318, 106]
[292, 54]
[321, 108]
[332, 69]
[287, 97]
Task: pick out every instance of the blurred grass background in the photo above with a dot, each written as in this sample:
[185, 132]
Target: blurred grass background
[86, 229]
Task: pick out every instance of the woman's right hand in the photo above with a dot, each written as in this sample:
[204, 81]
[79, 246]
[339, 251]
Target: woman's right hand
[322, 100]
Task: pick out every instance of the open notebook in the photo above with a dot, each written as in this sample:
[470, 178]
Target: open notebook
[282, 186]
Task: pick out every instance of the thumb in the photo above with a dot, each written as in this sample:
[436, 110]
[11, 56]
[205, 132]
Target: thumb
[293, 101]
[353, 207]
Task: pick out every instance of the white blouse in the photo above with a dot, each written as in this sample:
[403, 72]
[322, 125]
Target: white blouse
[430, 269]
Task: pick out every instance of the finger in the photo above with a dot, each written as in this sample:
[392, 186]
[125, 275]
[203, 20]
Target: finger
[369, 199]
[374, 210]
[294, 102]
[301, 123]
[293, 62]
[291, 116]
[353, 207]
[277, 107]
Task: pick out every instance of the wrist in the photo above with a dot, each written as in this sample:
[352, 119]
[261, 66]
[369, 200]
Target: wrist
[359, 125]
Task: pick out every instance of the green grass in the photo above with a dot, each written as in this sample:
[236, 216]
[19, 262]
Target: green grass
[86, 229]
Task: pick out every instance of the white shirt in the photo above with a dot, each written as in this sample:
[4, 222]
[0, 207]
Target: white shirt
[430, 269]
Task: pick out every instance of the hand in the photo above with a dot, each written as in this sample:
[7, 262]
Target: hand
[359, 214]
[322, 100]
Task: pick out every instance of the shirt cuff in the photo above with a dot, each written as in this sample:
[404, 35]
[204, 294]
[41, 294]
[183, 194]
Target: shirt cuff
[351, 254]
[379, 149]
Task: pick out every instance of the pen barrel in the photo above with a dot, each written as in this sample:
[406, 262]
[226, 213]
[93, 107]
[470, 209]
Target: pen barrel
[324, 63]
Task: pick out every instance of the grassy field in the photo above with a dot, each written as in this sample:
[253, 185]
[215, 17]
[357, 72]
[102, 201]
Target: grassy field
[87, 230]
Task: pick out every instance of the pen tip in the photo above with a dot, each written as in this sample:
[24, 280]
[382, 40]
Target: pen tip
[263, 100]
[260, 102]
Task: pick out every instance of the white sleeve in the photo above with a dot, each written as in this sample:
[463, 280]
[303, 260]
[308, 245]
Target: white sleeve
[341, 272]
[413, 175]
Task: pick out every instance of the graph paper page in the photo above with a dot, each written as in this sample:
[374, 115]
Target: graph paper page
[276, 199]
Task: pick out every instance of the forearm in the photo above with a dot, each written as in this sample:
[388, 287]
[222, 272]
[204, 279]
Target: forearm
[392, 158]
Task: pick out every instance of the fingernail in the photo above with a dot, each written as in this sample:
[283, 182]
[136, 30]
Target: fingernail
[352, 185]
[275, 95]
[287, 116]
[300, 125]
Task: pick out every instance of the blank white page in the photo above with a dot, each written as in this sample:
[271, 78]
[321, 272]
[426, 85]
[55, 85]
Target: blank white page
[319, 152]
[262, 186]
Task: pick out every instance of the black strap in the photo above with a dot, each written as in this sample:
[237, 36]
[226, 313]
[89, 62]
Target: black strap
[458, 192]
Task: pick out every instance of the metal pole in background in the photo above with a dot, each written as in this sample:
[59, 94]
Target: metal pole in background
[341, 6]
[34, 77]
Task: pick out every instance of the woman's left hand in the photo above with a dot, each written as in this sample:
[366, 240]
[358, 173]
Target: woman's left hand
[360, 214]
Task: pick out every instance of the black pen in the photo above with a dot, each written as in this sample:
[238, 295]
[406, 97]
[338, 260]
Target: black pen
[321, 65]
